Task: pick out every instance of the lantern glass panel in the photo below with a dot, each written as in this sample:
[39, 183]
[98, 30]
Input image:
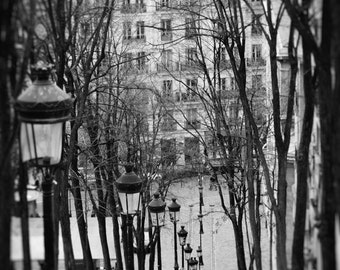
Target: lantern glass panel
[157, 219]
[193, 266]
[174, 216]
[130, 202]
[182, 240]
[41, 141]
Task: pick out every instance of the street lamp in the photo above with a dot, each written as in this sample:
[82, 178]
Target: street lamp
[174, 213]
[200, 257]
[200, 188]
[192, 264]
[42, 109]
[200, 218]
[187, 251]
[129, 186]
[182, 235]
[157, 213]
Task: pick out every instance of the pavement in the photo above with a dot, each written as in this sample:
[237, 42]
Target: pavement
[218, 245]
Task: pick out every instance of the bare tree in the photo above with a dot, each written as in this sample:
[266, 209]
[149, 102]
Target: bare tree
[324, 48]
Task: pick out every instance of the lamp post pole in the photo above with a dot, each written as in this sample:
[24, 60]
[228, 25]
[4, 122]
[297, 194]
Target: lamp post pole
[47, 190]
[200, 217]
[129, 187]
[157, 212]
[187, 251]
[174, 208]
[130, 259]
[175, 245]
[43, 108]
[182, 234]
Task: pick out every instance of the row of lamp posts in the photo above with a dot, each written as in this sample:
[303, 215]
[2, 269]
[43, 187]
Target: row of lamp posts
[42, 111]
[129, 187]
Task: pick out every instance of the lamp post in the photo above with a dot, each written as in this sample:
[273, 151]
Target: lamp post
[187, 251]
[42, 109]
[157, 212]
[200, 257]
[182, 235]
[200, 218]
[192, 264]
[129, 186]
[174, 213]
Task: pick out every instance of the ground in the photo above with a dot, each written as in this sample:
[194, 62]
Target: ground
[218, 244]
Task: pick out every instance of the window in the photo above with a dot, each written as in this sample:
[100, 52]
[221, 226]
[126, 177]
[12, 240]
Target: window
[166, 29]
[127, 60]
[84, 26]
[140, 30]
[233, 110]
[167, 58]
[191, 56]
[165, 3]
[223, 56]
[223, 86]
[168, 122]
[168, 152]
[126, 3]
[191, 89]
[191, 118]
[232, 83]
[190, 28]
[256, 52]
[222, 90]
[191, 150]
[141, 60]
[256, 82]
[127, 30]
[256, 25]
[167, 89]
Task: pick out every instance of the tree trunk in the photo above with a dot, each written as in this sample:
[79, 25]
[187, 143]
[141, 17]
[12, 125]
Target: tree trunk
[65, 224]
[336, 108]
[254, 222]
[327, 237]
[238, 234]
[101, 213]
[113, 210]
[23, 181]
[236, 221]
[280, 213]
[6, 132]
[82, 226]
[303, 162]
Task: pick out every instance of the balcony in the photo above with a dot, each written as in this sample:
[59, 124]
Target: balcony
[166, 36]
[189, 98]
[167, 67]
[194, 124]
[142, 69]
[256, 30]
[165, 6]
[133, 8]
[256, 62]
[225, 64]
[169, 126]
[137, 39]
[190, 33]
[190, 66]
